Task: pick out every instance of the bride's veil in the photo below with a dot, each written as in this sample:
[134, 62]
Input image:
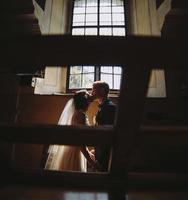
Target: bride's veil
[65, 119]
[66, 115]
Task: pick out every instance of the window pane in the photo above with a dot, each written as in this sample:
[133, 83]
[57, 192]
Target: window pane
[105, 9]
[107, 78]
[88, 80]
[79, 10]
[118, 9]
[75, 69]
[118, 23]
[88, 69]
[91, 31]
[79, 3]
[91, 2]
[91, 19]
[79, 18]
[91, 23]
[75, 81]
[91, 9]
[119, 31]
[118, 18]
[78, 24]
[105, 17]
[105, 2]
[106, 69]
[117, 2]
[105, 31]
[109, 23]
[78, 31]
[117, 81]
[117, 70]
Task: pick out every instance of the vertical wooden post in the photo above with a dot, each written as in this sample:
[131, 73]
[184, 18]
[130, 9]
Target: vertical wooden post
[131, 105]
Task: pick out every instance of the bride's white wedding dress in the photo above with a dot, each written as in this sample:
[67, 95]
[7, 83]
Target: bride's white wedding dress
[68, 158]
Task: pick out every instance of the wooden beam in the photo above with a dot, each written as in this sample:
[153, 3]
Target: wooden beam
[131, 106]
[157, 181]
[98, 181]
[54, 134]
[149, 52]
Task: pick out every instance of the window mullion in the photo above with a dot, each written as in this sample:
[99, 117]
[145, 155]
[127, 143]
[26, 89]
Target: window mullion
[82, 73]
[113, 77]
[97, 68]
[85, 18]
[97, 73]
[98, 17]
[125, 15]
[111, 19]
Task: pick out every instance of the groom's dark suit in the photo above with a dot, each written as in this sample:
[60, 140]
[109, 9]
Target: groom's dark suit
[105, 116]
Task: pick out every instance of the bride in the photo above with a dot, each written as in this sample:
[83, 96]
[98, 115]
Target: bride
[72, 158]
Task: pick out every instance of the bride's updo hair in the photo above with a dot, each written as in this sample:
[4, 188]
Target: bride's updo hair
[81, 101]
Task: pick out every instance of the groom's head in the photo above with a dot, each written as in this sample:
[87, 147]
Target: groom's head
[100, 90]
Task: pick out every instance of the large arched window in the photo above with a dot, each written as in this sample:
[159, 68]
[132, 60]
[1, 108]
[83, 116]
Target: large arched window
[97, 17]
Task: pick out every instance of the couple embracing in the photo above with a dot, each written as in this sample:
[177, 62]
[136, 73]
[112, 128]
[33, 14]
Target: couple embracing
[73, 158]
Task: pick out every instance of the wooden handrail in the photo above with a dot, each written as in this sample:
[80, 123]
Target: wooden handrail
[54, 134]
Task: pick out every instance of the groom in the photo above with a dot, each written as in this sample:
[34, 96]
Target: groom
[105, 116]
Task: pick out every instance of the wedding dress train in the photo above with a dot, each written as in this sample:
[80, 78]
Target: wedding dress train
[62, 157]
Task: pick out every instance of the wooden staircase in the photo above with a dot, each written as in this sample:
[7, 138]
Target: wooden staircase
[131, 140]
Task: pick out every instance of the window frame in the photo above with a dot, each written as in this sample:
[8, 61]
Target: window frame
[113, 91]
[126, 5]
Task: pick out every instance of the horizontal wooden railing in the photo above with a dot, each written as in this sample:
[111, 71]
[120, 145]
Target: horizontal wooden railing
[83, 135]
[136, 181]
[54, 134]
[152, 52]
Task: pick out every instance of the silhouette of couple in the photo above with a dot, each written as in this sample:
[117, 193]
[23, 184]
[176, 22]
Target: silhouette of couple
[74, 158]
